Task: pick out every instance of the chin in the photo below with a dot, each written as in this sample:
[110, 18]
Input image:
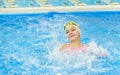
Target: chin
[72, 39]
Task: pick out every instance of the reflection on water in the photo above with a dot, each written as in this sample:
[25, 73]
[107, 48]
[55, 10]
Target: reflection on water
[29, 44]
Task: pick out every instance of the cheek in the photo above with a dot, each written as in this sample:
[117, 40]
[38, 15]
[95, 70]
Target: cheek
[68, 36]
[78, 34]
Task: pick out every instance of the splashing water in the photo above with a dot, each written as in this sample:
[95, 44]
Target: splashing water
[29, 44]
[78, 62]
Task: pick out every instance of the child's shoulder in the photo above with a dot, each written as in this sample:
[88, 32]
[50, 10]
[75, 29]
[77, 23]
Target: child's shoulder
[85, 45]
[63, 46]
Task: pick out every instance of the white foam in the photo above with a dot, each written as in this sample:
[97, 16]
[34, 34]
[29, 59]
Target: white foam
[74, 60]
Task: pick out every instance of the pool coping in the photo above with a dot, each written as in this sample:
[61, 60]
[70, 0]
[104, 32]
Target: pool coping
[59, 9]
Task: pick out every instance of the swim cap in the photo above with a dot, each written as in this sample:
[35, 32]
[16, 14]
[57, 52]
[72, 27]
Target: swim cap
[71, 23]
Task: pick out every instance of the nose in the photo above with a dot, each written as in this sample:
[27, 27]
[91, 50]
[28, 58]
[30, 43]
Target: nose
[70, 32]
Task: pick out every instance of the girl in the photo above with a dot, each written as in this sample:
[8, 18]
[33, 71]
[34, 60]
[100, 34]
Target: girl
[73, 35]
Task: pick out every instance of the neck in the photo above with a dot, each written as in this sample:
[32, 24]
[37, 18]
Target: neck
[75, 43]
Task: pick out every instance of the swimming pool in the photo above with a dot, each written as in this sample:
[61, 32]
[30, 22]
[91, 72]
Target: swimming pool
[27, 42]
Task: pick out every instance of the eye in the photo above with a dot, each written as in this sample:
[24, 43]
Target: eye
[73, 29]
[67, 31]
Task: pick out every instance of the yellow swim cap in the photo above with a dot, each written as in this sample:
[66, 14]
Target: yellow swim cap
[74, 24]
[70, 23]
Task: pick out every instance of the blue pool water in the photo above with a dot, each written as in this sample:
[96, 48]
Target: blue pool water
[29, 43]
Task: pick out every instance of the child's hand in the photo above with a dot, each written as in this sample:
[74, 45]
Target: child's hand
[103, 52]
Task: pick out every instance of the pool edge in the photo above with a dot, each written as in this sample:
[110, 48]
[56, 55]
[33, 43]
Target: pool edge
[59, 9]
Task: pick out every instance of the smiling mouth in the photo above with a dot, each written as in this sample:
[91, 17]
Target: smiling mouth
[71, 36]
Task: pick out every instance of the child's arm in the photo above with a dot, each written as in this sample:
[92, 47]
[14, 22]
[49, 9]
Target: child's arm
[102, 52]
[99, 51]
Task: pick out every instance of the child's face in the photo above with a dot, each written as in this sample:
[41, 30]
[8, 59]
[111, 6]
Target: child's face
[72, 33]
